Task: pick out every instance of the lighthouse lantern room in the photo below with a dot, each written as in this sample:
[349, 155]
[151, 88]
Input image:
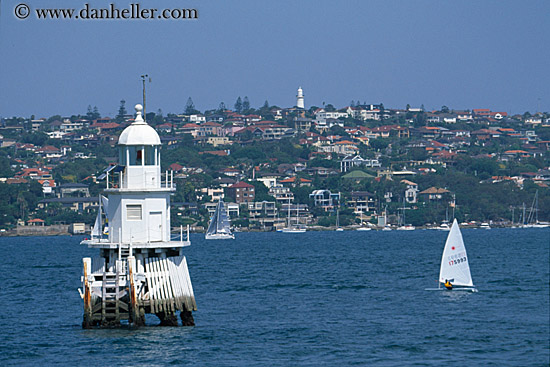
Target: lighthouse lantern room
[140, 269]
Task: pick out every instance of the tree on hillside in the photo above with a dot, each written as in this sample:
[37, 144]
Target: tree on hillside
[190, 107]
[56, 118]
[5, 167]
[238, 105]
[246, 104]
[121, 111]
[420, 119]
[93, 114]
[330, 108]
[265, 111]
[379, 144]
[301, 194]
[261, 191]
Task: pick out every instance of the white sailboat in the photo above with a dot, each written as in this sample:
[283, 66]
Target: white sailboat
[454, 262]
[363, 226]
[532, 221]
[403, 226]
[290, 228]
[99, 230]
[445, 224]
[338, 228]
[220, 227]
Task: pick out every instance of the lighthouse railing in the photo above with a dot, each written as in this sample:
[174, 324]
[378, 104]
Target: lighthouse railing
[167, 180]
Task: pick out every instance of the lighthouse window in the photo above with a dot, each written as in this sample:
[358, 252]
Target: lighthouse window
[149, 156]
[133, 212]
[122, 157]
[136, 155]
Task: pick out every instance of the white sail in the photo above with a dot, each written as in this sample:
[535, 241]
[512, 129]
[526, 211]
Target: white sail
[219, 227]
[105, 203]
[454, 262]
[103, 210]
[96, 230]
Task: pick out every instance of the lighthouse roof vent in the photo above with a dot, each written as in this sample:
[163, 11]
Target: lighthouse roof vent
[139, 132]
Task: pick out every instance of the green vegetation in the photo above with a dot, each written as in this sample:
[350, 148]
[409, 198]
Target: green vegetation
[476, 176]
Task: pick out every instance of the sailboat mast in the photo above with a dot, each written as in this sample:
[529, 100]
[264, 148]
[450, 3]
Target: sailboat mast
[403, 212]
[537, 206]
[289, 211]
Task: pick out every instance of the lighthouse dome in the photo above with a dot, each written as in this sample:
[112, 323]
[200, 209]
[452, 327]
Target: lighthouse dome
[139, 132]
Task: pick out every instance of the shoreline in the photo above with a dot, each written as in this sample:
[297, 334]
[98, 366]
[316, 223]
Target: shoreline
[46, 231]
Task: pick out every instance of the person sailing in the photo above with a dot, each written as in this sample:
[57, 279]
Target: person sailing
[448, 284]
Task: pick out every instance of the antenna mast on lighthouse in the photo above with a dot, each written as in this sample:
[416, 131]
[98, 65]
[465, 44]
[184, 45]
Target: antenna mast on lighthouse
[143, 77]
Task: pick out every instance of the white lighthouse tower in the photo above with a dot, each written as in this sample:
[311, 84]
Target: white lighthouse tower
[140, 269]
[300, 98]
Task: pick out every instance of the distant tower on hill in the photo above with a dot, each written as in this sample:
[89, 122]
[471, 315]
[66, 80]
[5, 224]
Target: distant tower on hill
[300, 98]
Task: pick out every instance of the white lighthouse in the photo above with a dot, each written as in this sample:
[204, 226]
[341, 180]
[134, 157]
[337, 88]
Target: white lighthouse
[140, 269]
[300, 98]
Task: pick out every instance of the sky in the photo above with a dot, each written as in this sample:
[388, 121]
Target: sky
[462, 54]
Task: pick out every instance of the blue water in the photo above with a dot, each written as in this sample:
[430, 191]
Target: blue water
[313, 299]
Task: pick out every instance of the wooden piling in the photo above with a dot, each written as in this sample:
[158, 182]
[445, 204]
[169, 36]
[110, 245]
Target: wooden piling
[87, 322]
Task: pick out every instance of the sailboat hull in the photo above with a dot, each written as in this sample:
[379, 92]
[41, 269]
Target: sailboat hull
[220, 236]
[455, 289]
[293, 230]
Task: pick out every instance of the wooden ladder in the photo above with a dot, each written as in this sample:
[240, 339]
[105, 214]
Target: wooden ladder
[110, 308]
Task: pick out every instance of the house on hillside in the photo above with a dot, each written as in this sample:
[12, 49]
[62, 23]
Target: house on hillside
[302, 123]
[295, 182]
[281, 194]
[411, 192]
[210, 128]
[241, 192]
[351, 161]
[434, 193]
[344, 147]
[76, 204]
[325, 199]
[361, 202]
[272, 131]
[73, 190]
[49, 152]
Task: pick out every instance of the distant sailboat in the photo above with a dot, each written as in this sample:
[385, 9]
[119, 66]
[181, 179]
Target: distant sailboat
[290, 228]
[485, 225]
[338, 228]
[219, 228]
[363, 226]
[403, 226]
[445, 224]
[533, 218]
[98, 230]
[454, 262]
